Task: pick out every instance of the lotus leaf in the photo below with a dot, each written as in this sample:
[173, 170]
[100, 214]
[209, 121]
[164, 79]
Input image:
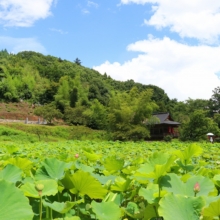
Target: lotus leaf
[121, 184]
[149, 193]
[88, 185]
[55, 168]
[50, 188]
[23, 163]
[151, 212]
[173, 207]
[172, 183]
[11, 173]
[192, 151]
[112, 164]
[134, 211]
[13, 203]
[61, 207]
[106, 210]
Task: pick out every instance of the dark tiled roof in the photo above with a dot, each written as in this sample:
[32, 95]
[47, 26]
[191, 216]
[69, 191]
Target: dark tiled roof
[165, 118]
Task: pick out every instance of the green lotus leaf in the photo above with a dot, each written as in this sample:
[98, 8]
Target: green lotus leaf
[117, 198]
[67, 181]
[207, 218]
[112, 164]
[172, 183]
[193, 150]
[54, 169]
[149, 193]
[173, 207]
[11, 149]
[134, 211]
[121, 184]
[156, 167]
[213, 210]
[150, 212]
[41, 174]
[138, 160]
[207, 187]
[69, 218]
[23, 163]
[92, 156]
[103, 179]
[216, 179]
[161, 170]
[146, 168]
[81, 166]
[13, 203]
[106, 210]
[11, 173]
[50, 188]
[88, 185]
[158, 159]
[129, 169]
[61, 207]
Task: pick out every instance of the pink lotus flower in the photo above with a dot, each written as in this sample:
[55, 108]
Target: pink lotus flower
[76, 155]
[196, 187]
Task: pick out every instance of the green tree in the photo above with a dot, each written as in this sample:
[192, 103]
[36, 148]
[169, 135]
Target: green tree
[49, 113]
[127, 114]
[77, 61]
[76, 116]
[215, 101]
[73, 97]
[198, 126]
[97, 115]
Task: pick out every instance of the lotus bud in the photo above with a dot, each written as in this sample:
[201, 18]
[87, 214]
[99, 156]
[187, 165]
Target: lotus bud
[196, 188]
[76, 155]
[39, 187]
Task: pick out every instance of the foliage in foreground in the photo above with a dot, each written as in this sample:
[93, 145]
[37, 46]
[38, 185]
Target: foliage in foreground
[86, 180]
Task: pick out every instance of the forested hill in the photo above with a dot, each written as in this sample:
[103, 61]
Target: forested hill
[83, 96]
[37, 78]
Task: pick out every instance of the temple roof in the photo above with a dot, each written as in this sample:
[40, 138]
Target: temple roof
[165, 118]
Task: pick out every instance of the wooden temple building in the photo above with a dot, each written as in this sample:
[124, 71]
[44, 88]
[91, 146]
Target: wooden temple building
[165, 126]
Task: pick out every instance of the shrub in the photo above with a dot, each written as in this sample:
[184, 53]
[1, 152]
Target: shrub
[168, 138]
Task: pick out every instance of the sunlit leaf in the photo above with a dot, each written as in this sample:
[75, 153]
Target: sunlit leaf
[11, 173]
[121, 184]
[55, 168]
[149, 193]
[213, 210]
[13, 203]
[113, 164]
[106, 210]
[173, 207]
[61, 207]
[172, 183]
[50, 188]
[23, 163]
[88, 185]
[192, 151]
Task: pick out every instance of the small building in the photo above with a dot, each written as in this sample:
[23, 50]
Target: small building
[165, 126]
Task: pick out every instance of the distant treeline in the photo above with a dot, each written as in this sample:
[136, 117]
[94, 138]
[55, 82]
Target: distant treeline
[83, 96]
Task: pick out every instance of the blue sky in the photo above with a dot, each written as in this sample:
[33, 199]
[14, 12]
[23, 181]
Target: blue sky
[171, 44]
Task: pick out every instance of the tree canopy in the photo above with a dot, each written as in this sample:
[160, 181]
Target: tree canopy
[83, 96]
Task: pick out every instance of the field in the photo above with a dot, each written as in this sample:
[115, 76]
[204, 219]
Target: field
[85, 180]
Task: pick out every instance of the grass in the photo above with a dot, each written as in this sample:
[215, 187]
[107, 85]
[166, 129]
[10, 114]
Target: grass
[21, 132]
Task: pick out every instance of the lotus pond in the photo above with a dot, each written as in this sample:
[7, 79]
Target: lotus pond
[83, 180]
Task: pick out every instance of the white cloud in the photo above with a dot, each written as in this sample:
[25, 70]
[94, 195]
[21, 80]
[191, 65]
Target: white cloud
[85, 11]
[59, 31]
[15, 45]
[92, 4]
[182, 71]
[23, 13]
[189, 18]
